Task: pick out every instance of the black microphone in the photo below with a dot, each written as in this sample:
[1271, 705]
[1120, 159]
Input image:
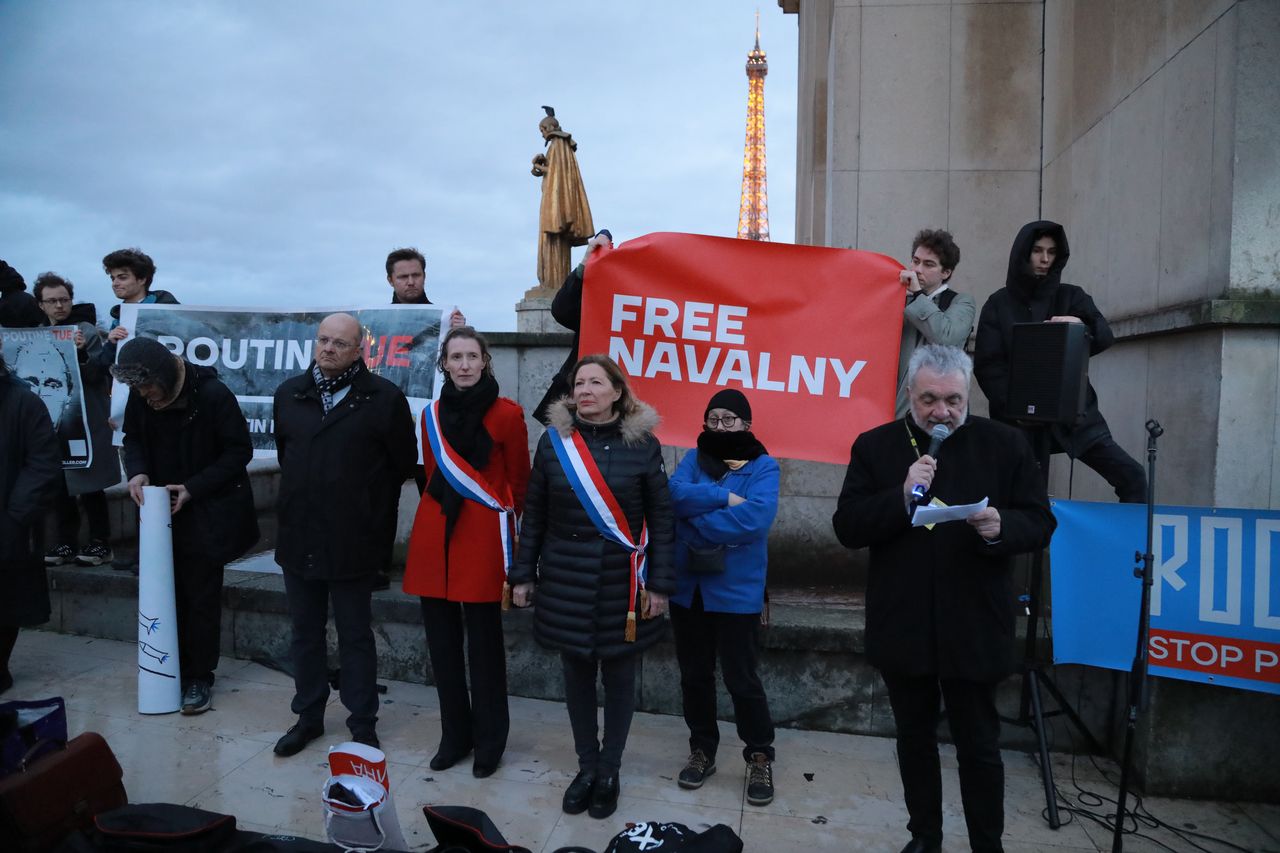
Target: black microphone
[936, 437]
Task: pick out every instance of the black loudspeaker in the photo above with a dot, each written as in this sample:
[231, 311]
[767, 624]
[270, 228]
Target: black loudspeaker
[1048, 372]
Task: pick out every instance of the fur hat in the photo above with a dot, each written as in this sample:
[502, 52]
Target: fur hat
[146, 361]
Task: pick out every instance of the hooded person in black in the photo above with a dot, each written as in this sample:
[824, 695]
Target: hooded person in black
[1034, 293]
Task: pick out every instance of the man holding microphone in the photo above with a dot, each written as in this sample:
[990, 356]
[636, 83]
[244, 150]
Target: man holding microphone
[940, 624]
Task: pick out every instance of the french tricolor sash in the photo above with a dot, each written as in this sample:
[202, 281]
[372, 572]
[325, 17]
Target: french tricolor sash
[470, 483]
[603, 510]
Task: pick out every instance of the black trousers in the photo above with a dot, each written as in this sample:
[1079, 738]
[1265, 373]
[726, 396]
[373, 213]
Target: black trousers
[197, 587]
[975, 730]
[1119, 469]
[478, 718]
[352, 615]
[68, 514]
[619, 677]
[700, 636]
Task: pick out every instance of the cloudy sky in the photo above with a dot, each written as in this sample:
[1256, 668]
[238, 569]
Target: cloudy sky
[272, 153]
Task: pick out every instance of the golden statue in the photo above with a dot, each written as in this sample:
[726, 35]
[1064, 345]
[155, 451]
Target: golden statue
[564, 219]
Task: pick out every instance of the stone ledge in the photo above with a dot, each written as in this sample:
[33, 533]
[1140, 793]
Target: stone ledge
[1192, 316]
[529, 339]
[812, 655]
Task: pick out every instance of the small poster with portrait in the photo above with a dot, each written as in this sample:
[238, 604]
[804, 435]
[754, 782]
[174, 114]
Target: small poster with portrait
[45, 360]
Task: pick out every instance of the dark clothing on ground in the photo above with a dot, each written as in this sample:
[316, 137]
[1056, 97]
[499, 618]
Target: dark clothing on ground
[477, 717]
[200, 441]
[337, 475]
[20, 310]
[734, 638]
[566, 309]
[1028, 299]
[939, 602]
[602, 757]
[30, 470]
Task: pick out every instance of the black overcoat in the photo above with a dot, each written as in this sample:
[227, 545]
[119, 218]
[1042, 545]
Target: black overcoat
[939, 602]
[1026, 299]
[219, 523]
[338, 474]
[30, 468]
[584, 580]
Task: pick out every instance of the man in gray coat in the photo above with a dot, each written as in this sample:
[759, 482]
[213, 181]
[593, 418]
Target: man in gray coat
[934, 313]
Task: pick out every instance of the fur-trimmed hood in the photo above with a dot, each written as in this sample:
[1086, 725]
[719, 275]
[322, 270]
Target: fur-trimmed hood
[634, 428]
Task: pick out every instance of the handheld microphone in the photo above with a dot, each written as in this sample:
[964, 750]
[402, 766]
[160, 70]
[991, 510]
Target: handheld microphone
[938, 435]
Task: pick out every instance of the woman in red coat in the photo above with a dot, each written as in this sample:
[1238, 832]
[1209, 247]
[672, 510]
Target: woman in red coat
[456, 561]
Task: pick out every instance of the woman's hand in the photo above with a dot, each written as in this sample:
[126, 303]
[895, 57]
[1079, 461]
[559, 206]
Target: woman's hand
[736, 499]
[657, 605]
[522, 594]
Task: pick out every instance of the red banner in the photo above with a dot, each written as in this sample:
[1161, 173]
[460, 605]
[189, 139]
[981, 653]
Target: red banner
[809, 334]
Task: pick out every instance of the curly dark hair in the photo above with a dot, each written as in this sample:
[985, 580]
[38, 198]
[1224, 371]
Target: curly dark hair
[134, 260]
[942, 244]
[46, 280]
[409, 254]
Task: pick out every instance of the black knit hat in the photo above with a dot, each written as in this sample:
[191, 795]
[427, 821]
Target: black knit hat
[731, 399]
[146, 361]
[11, 281]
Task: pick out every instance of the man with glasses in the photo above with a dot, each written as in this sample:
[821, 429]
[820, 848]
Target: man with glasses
[939, 609]
[345, 440]
[55, 295]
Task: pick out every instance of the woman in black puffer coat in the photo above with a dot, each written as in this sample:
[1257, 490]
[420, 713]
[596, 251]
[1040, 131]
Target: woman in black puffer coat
[584, 580]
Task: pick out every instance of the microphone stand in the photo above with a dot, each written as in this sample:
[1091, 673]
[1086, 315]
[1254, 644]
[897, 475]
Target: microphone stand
[1138, 672]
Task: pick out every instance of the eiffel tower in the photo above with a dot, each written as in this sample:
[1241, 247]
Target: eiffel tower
[753, 210]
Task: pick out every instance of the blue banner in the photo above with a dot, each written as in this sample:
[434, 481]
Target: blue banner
[1215, 601]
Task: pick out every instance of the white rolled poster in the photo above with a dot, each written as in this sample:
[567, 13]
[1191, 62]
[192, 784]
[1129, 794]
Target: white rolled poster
[159, 679]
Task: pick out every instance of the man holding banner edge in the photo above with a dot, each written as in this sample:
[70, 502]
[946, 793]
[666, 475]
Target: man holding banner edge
[939, 619]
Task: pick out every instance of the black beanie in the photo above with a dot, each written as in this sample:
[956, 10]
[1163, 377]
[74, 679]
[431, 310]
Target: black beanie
[146, 361]
[731, 399]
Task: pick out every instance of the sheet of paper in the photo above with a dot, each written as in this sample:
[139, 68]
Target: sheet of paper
[938, 514]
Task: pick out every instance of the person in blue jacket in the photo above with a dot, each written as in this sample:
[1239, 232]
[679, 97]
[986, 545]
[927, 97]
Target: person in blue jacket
[725, 495]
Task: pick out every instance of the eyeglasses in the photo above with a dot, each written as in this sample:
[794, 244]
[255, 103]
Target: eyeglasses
[727, 421]
[55, 301]
[338, 343]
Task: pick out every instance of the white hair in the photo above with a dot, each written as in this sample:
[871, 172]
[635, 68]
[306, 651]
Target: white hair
[941, 360]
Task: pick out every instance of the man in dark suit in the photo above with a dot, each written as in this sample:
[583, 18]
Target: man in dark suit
[939, 617]
[345, 440]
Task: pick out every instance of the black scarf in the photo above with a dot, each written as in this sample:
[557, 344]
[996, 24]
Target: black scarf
[714, 447]
[328, 387]
[462, 412]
